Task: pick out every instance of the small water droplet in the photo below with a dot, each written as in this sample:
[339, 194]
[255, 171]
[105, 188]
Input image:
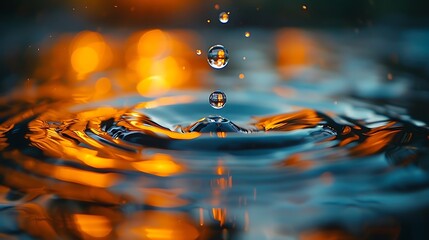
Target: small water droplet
[241, 76]
[304, 7]
[198, 52]
[223, 17]
[216, 6]
[208, 21]
[217, 99]
[217, 56]
[247, 34]
[244, 58]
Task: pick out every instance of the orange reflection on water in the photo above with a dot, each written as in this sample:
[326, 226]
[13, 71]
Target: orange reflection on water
[165, 198]
[289, 121]
[83, 177]
[158, 225]
[296, 160]
[68, 174]
[34, 221]
[139, 125]
[219, 214]
[159, 164]
[376, 140]
[93, 226]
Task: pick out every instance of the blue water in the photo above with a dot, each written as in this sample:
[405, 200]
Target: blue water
[320, 151]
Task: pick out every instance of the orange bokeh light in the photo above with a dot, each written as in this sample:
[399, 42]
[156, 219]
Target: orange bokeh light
[92, 225]
[160, 164]
[84, 60]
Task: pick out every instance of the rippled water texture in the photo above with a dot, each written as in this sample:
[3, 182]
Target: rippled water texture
[304, 152]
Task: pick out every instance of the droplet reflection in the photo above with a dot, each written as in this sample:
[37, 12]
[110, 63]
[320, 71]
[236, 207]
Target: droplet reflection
[217, 56]
[223, 17]
[217, 99]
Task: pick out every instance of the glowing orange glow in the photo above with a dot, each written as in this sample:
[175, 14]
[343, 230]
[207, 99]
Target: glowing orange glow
[154, 43]
[289, 121]
[160, 164]
[89, 53]
[102, 86]
[166, 198]
[82, 177]
[201, 212]
[219, 214]
[241, 76]
[159, 131]
[93, 225]
[220, 169]
[222, 183]
[152, 86]
[161, 61]
[224, 17]
[158, 225]
[221, 134]
[166, 101]
[377, 140]
[84, 60]
[294, 51]
[98, 112]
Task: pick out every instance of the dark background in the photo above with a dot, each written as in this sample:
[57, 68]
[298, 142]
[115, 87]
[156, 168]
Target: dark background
[189, 13]
[25, 24]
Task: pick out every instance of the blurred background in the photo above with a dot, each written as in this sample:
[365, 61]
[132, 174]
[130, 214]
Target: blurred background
[103, 47]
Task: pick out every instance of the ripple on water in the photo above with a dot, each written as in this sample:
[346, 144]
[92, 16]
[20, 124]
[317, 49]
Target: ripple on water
[221, 171]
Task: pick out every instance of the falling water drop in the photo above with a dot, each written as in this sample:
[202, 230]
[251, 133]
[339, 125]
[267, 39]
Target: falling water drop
[223, 17]
[247, 34]
[198, 52]
[218, 56]
[217, 99]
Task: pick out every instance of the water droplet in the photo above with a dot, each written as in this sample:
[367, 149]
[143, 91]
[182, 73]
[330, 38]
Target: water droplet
[199, 52]
[217, 99]
[304, 7]
[247, 34]
[216, 6]
[218, 56]
[244, 58]
[208, 20]
[223, 17]
[241, 76]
